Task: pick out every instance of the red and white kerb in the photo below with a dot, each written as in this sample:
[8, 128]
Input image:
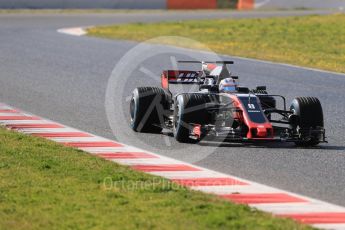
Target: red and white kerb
[279, 202]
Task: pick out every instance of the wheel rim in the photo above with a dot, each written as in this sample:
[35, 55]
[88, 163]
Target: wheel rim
[132, 109]
[293, 111]
[177, 117]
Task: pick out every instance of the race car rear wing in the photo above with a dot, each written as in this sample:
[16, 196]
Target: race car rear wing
[186, 77]
[191, 77]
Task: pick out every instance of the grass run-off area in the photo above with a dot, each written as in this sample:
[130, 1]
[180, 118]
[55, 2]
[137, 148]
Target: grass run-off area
[312, 41]
[47, 186]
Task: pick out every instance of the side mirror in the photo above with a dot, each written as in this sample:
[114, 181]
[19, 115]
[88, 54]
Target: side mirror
[234, 77]
[206, 87]
[261, 88]
[243, 90]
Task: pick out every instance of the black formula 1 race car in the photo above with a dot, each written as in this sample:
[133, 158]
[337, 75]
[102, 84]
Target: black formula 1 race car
[223, 110]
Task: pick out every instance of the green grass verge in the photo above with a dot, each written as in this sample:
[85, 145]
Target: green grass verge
[312, 41]
[47, 186]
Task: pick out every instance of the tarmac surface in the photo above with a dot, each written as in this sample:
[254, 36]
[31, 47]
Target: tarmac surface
[65, 79]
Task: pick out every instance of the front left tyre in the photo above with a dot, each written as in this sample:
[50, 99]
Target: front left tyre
[147, 108]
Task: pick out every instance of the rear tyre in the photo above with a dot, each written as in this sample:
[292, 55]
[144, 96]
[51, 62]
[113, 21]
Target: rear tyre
[188, 109]
[310, 116]
[147, 108]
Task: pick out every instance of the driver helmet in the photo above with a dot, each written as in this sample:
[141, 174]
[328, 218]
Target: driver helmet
[227, 85]
[207, 68]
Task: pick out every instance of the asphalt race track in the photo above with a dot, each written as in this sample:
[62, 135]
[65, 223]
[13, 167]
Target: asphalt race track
[64, 78]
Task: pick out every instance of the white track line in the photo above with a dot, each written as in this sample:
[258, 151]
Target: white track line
[145, 161]
[15, 122]
[297, 208]
[79, 139]
[75, 31]
[100, 150]
[48, 130]
[232, 189]
[330, 226]
[185, 175]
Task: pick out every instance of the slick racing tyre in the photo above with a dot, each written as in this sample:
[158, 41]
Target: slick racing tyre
[310, 116]
[147, 108]
[189, 109]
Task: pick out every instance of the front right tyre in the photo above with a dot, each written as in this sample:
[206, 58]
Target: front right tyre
[189, 109]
